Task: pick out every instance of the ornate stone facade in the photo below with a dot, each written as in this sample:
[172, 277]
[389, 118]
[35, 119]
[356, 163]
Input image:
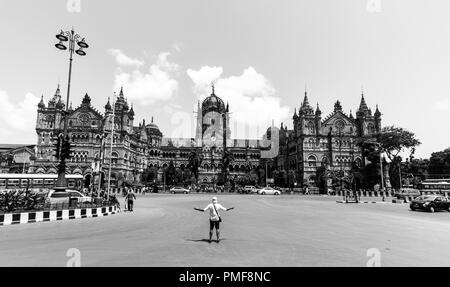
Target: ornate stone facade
[137, 148]
[331, 140]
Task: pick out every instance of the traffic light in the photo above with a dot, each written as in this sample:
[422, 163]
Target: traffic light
[66, 149]
[57, 148]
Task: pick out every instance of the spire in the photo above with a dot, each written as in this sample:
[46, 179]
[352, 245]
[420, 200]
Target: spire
[305, 107]
[86, 100]
[295, 114]
[131, 112]
[337, 106]
[212, 87]
[121, 92]
[41, 104]
[58, 91]
[363, 106]
[70, 107]
[108, 106]
[227, 108]
[305, 100]
[377, 113]
[152, 119]
[318, 111]
[351, 115]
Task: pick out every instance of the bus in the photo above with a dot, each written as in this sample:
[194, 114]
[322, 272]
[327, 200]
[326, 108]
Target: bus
[435, 186]
[36, 181]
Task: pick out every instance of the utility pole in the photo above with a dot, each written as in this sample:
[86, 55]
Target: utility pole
[111, 144]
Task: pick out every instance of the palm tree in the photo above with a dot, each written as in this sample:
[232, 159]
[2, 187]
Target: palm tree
[195, 161]
[227, 159]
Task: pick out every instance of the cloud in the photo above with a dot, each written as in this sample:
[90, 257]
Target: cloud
[442, 105]
[251, 96]
[18, 119]
[177, 46]
[204, 77]
[157, 83]
[123, 59]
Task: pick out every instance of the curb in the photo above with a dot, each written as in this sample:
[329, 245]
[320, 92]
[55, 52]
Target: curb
[54, 215]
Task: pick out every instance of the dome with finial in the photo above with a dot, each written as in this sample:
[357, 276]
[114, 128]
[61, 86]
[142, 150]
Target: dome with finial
[41, 104]
[213, 104]
[152, 129]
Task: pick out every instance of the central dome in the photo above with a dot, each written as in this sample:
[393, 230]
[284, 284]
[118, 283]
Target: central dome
[213, 104]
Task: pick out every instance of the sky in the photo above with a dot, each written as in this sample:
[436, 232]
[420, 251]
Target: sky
[260, 54]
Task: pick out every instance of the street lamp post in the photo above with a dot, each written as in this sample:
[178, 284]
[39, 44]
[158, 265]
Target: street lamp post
[72, 38]
[113, 123]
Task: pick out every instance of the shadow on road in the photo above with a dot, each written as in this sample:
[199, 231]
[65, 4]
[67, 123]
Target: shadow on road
[204, 240]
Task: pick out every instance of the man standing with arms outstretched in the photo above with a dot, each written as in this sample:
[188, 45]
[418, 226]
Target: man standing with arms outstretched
[214, 217]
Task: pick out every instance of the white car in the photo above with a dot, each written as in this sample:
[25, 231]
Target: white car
[269, 191]
[250, 189]
[178, 189]
[53, 197]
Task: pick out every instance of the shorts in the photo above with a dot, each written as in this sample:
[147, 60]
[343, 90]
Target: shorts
[213, 224]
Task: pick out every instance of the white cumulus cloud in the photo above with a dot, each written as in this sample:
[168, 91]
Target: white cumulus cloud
[252, 98]
[146, 86]
[18, 119]
[123, 59]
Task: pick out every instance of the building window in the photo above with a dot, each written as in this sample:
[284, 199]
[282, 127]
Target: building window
[311, 160]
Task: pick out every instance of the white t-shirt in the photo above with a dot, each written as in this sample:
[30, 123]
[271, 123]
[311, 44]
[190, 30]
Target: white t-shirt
[213, 216]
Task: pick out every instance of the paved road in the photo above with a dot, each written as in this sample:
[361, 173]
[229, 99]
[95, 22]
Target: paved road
[287, 230]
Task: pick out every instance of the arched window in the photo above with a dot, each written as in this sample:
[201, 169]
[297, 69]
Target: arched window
[310, 127]
[370, 128]
[311, 160]
[114, 157]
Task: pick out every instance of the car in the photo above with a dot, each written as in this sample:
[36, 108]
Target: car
[250, 189]
[269, 190]
[178, 189]
[56, 197]
[404, 193]
[430, 203]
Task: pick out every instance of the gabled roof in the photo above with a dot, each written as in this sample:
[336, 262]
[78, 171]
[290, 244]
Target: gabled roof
[333, 115]
[88, 108]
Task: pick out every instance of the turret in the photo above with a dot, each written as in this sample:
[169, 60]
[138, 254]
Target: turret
[108, 107]
[41, 104]
[131, 113]
[318, 119]
[377, 120]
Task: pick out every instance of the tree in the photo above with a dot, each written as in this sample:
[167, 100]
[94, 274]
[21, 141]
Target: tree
[227, 159]
[439, 166]
[393, 141]
[194, 162]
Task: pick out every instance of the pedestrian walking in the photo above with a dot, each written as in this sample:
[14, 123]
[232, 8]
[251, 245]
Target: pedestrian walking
[214, 217]
[129, 198]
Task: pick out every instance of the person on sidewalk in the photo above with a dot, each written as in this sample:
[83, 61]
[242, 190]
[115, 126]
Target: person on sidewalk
[214, 217]
[130, 197]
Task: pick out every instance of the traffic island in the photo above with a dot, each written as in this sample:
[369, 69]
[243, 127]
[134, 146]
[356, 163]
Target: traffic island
[54, 215]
